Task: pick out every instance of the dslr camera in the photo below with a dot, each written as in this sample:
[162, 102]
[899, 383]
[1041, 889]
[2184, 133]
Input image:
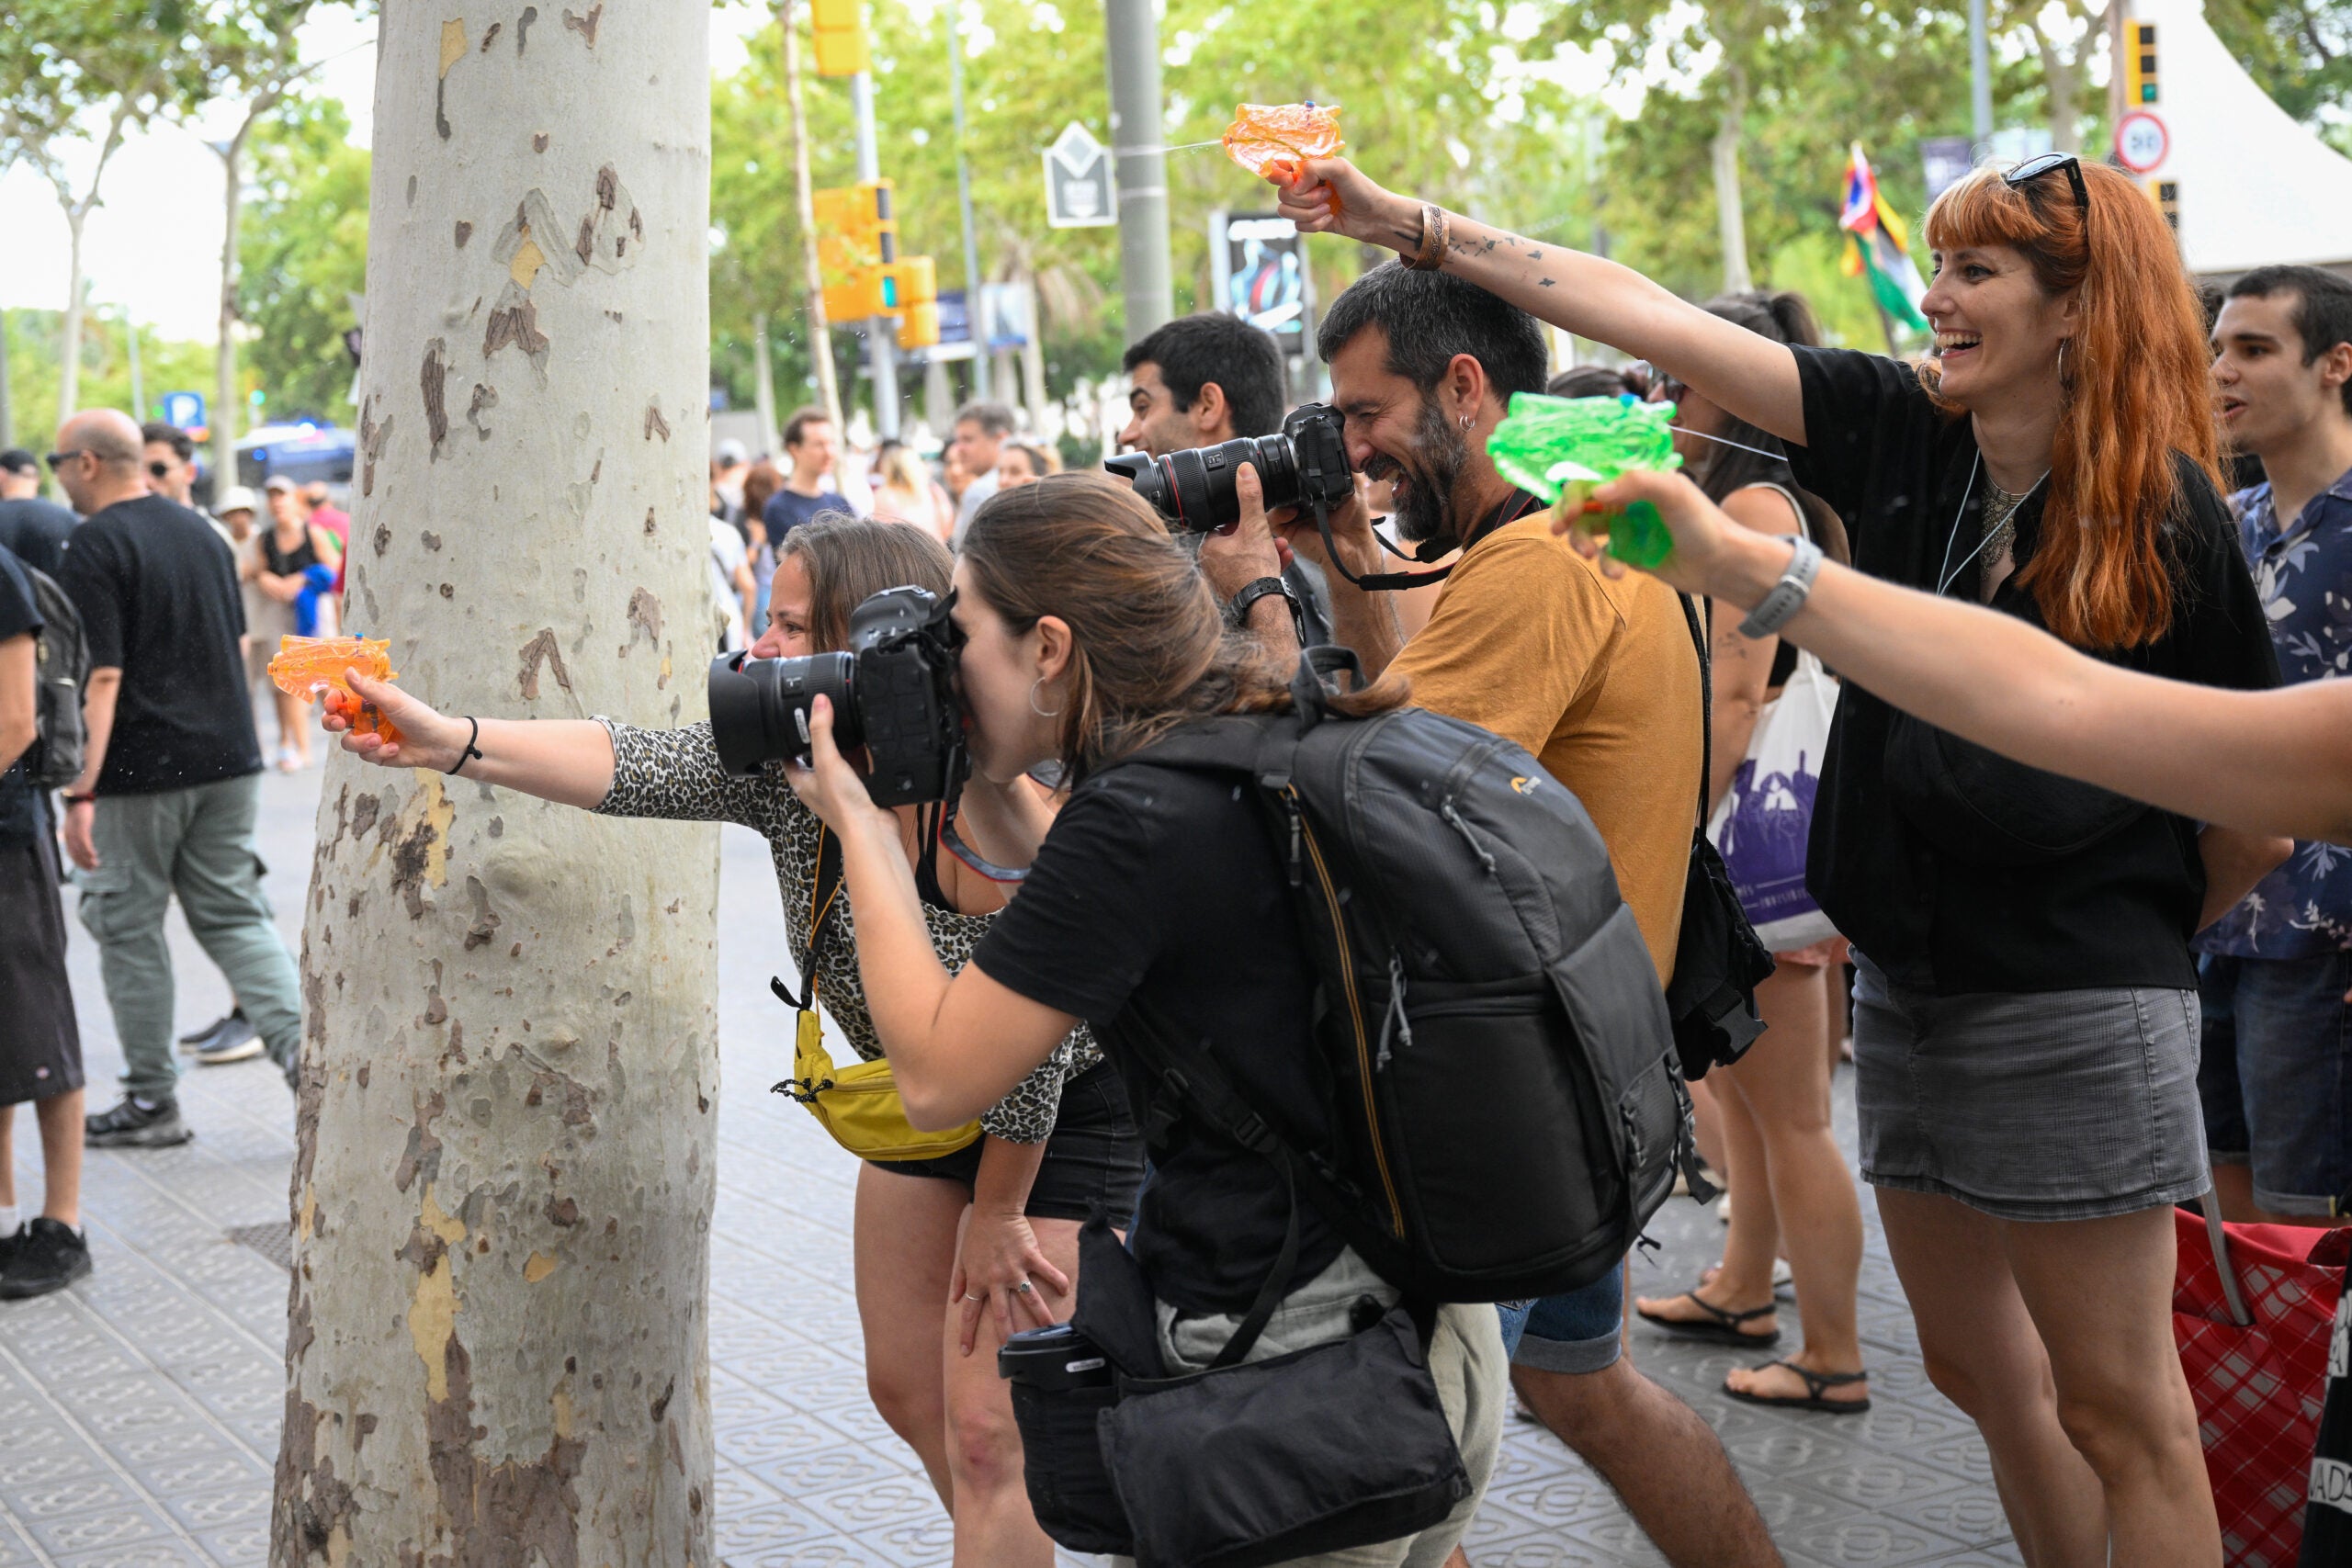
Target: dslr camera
[1306, 465]
[893, 691]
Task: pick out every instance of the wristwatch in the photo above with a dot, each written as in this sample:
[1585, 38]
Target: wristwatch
[1787, 595]
[1237, 614]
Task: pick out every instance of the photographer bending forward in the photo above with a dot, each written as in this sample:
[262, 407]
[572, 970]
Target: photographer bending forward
[990, 1230]
[1158, 894]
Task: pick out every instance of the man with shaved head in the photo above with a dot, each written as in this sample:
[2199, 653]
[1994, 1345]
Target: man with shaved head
[168, 792]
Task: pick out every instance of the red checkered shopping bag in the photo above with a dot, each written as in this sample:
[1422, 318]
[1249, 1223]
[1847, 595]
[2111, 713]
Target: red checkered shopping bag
[2251, 1309]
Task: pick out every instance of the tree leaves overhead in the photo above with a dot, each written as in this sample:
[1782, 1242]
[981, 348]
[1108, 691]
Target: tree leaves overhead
[303, 232]
[2300, 51]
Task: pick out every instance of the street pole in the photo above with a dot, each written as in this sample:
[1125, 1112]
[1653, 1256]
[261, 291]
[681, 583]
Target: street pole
[137, 386]
[2116, 13]
[1131, 37]
[963, 203]
[881, 338]
[1980, 81]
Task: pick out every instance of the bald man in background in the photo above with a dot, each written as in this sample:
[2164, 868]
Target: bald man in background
[167, 795]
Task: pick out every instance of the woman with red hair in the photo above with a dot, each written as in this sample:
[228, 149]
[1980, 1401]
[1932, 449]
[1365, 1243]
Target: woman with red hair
[2025, 1026]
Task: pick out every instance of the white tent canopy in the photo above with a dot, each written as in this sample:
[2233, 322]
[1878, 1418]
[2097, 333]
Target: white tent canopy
[2255, 186]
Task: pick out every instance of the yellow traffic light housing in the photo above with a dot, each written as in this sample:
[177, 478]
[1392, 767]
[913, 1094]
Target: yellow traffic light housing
[839, 29]
[2140, 84]
[857, 234]
[910, 288]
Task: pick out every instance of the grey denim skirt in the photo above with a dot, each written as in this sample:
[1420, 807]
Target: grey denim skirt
[2049, 1105]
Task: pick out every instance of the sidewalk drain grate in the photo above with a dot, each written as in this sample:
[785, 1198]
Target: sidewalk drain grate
[274, 1240]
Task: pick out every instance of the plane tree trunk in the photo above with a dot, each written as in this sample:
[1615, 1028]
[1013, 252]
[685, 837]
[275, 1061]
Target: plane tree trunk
[497, 1347]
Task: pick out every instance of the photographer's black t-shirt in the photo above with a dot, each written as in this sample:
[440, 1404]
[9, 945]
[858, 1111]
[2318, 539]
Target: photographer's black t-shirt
[1953, 869]
[1164, 888]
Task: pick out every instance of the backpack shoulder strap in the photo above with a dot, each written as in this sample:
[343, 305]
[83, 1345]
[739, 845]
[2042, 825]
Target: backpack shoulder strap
[1706, 700]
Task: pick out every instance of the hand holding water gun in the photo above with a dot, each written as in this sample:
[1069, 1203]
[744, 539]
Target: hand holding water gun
[313, 667]
[1705, 552]
[1564, 448]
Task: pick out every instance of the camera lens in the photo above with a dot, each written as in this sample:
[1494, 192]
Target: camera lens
[759, 707]
[1193, 488]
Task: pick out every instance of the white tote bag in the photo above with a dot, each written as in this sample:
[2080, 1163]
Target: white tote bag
[1766, 819]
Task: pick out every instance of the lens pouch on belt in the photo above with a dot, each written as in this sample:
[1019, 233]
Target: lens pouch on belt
[857, 1104]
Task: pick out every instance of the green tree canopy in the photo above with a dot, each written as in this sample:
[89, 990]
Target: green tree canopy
[303, 232]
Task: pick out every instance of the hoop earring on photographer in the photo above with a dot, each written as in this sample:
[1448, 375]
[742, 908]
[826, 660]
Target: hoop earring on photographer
[1040, 712]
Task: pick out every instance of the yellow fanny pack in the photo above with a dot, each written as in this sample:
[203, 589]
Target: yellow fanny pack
[858, 1104]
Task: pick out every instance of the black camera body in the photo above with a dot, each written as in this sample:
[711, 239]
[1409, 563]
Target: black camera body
[893, 691]
[1306, 465]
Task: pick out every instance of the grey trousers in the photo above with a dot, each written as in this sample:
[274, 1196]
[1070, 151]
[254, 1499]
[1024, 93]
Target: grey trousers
[198, 843]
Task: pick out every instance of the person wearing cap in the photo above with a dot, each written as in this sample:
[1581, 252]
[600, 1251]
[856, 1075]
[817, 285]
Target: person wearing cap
[34, 529]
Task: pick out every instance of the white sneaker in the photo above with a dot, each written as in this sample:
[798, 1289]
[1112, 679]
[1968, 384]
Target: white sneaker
[231, 1050]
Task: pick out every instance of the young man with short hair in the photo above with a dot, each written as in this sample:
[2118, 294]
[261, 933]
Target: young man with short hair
[1600, 679]
[2276, 1073]
[1201, 380]
[980, 429]
[810, 442]
[35, 529]
[170, 784]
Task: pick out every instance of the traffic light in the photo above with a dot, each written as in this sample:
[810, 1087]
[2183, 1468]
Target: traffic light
[910, 288]
[2167, 198]
[839, 27]
[2138, 64]
[856, 234]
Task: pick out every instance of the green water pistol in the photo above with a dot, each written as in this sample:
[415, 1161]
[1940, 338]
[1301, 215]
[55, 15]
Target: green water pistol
[1559, 448]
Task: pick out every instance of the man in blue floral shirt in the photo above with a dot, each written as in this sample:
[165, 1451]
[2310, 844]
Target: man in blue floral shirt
[2276, 1075]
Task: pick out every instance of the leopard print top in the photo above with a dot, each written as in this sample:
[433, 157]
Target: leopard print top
[675, 773]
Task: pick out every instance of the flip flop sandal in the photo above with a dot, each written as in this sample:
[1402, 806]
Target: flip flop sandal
[1719, 1327]
[1816, 1385]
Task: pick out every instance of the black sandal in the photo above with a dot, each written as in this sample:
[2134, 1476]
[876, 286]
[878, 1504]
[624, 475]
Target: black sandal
[1816, 1385]
[1724, 1330]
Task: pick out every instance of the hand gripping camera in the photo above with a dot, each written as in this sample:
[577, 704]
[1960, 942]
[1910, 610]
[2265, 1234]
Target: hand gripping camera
[1306, 465]
[892, 692]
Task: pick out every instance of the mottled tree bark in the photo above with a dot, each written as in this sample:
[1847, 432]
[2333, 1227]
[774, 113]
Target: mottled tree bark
[496, 1348]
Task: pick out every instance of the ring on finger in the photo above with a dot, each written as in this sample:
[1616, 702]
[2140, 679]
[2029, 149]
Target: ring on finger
[974, 1296]
[1025, 1288]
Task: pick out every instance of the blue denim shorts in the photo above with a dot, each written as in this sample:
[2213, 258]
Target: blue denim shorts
[2276, 1076]
[1580, 1331]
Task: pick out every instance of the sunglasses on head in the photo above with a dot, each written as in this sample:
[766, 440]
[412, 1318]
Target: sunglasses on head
[2034, 168]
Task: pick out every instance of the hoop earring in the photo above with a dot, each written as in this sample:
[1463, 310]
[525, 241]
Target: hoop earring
[1467, 421]
[2061, 362]
[1041, 713]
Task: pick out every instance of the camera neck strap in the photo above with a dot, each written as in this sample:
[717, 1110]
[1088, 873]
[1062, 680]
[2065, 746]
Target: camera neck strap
[824, 906]
[1516, 505]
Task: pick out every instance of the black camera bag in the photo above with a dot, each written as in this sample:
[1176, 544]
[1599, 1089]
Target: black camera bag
[1245, 1464]
[1508, 1104]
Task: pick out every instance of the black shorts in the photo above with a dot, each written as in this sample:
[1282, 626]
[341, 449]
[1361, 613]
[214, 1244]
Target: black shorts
[41, 1045]
[1093, 1158]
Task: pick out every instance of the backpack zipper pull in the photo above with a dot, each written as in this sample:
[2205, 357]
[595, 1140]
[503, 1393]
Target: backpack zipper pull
[1394, 1020]
[1454, 819]
[1290, 806]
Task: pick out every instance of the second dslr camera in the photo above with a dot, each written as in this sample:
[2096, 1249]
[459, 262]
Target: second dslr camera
[1306, 465]
[893, 691]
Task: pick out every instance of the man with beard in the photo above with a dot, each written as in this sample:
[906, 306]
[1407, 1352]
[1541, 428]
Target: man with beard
[1600, 679]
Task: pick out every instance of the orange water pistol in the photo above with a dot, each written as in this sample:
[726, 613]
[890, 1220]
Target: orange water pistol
[313, 667]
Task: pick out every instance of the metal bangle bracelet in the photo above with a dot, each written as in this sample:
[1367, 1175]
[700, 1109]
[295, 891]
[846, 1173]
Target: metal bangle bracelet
[1432, 253]
[1787, 595]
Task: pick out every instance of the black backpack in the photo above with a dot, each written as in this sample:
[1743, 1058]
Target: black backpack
[60, 667]
[1508, 1109]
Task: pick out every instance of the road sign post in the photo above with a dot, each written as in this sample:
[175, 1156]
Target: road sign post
[1080, 192]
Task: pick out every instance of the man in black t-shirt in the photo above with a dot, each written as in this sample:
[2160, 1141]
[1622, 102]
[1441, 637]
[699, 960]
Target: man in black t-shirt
[40, 1046]
[33, 529]
[167, 796]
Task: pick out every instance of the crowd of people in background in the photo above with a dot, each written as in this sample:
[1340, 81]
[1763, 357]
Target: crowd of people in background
[2069, 1012]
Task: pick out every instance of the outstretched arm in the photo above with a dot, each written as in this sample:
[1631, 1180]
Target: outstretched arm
[1750, 375]
[2265, 762]
[568, 762]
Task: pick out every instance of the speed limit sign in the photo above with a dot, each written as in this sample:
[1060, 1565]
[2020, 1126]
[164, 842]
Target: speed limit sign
[2140, 142]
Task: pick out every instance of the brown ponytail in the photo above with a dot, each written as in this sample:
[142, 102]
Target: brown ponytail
[1149, 648]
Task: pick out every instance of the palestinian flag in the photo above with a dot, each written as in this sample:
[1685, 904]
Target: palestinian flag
[1877, 247]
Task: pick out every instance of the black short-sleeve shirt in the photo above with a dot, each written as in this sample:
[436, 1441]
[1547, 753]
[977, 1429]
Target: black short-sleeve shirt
[157, 590]
[20, 813]
[1163, 888]
[38, 531]
[1953, 869]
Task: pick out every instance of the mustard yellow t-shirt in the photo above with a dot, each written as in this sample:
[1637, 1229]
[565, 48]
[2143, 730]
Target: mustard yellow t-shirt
[1599, 679]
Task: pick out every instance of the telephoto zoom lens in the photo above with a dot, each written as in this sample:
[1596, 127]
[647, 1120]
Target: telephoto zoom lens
[1193, 488]
[759, 707]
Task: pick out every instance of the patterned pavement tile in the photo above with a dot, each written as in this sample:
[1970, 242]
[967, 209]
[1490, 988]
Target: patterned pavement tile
[141, 1408]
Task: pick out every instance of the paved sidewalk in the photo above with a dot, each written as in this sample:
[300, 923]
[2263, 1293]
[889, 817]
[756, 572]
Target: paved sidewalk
[139, 1410]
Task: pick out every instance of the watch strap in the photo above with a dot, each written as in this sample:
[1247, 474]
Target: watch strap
[1238, 611]
[1787, 595]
